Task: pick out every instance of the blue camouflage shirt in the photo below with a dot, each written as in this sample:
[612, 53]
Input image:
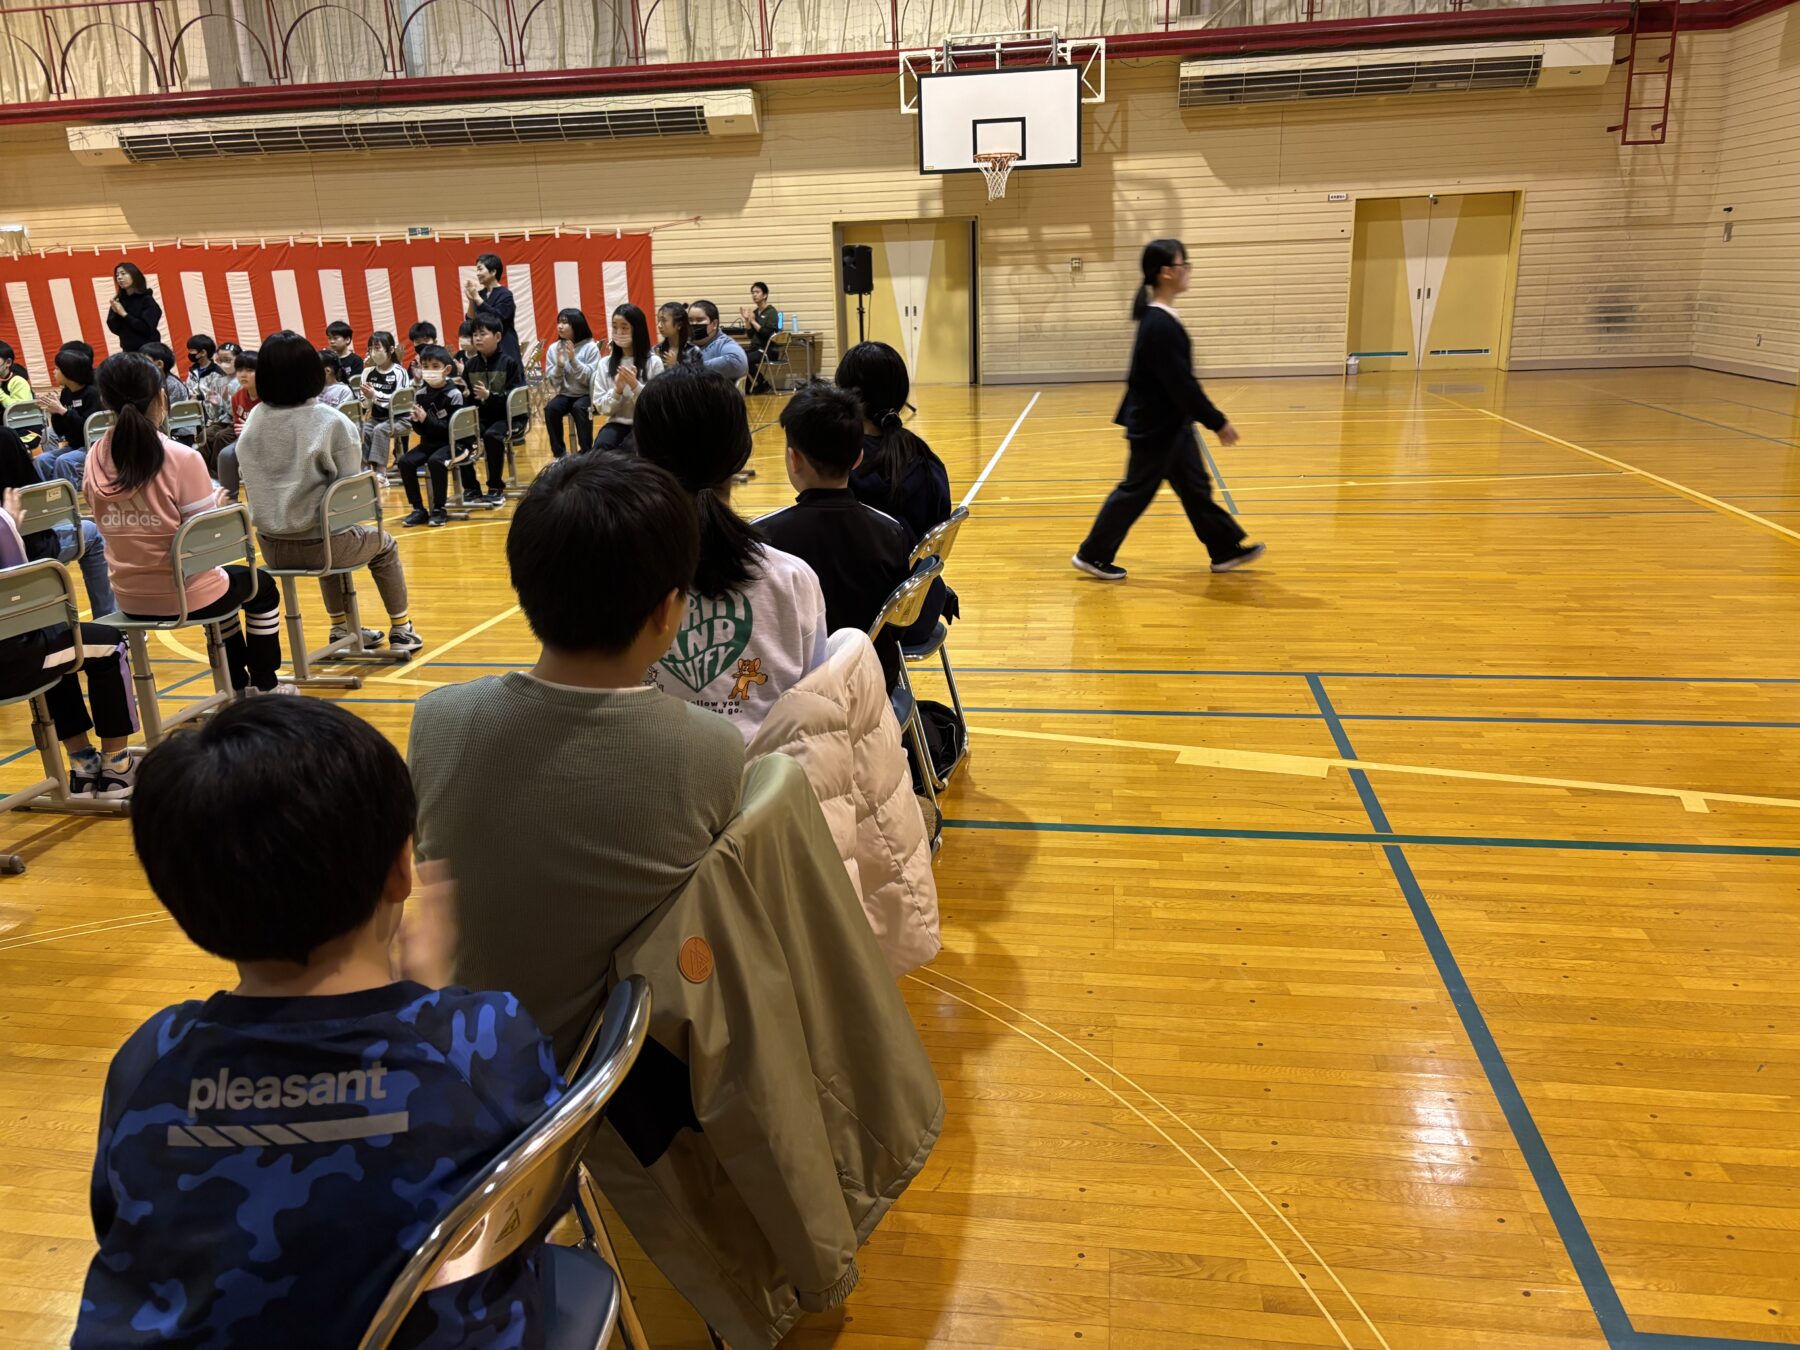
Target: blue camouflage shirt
[266, 1166]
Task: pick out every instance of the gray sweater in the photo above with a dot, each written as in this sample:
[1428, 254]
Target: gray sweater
[287, 457]
[566, 817]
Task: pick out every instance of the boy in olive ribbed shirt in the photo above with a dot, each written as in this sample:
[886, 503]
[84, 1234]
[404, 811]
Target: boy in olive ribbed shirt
[571, 800]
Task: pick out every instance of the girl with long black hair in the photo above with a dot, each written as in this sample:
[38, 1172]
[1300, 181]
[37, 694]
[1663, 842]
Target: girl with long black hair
[899, 473]
[134, 316]
[569, 368]
[631, 364]
[1162, 402]
[141, 486]
[676, 347]
[755, 621]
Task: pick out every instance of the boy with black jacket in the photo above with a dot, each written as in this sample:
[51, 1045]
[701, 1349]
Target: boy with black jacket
[860, 554]
[435, 401]
[491, 375]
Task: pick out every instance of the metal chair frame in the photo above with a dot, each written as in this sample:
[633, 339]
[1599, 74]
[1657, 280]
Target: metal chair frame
[355, 500]
[518, 406]
[937, 543]
[902, 610]
[203, 542]
[775, 358]
[188, 414]
[34, 596]
[25, 417]
[96, 426]
[465, 429]
[508, 1203]
[43, 506]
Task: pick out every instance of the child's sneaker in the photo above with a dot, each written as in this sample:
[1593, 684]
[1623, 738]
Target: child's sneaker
[104, 778]
[438, 517]
[419, 517]
[402, 638]
[372, 637]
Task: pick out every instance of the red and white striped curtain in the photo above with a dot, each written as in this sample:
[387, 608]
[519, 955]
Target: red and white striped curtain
[243, 293]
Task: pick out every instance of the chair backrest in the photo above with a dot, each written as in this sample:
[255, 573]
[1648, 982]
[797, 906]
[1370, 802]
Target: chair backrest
[96, 426]
[355, 500]
[465, 425]
[188, 414]
[208, 540]
[44, 505]
[400, 404]
[355, 383]
[508, 1202]
[778, 342]
[518, 404]
[940, 538]
[24, 417]
[36, 595]
[904, 606]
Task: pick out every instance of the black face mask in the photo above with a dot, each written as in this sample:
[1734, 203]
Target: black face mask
[700, 332]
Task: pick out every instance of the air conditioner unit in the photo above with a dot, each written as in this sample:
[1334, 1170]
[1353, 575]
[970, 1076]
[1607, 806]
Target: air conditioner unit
[708, 112]
[1559, 63]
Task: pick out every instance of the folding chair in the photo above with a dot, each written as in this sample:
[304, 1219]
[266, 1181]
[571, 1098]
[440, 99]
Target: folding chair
[188, 414]
[355, 383]
[518, 426]
[902, 611]
[96, 426]
[208, 540]
[33, 596]
[24, 417]
[775, 360]
[349, 501]
[937, 543]
[44, 506]
[510, 1201]
[465, 449]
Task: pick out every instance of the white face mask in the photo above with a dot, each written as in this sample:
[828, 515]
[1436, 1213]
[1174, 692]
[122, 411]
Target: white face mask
[434, 378]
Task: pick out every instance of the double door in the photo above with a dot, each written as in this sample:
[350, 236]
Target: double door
[1428, 281]
[920, 306]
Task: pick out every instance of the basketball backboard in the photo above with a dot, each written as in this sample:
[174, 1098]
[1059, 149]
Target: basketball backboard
[1017, 94]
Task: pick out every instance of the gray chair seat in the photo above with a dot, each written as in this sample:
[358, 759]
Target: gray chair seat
[581, 1298]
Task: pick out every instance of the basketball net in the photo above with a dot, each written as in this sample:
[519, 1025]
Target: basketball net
[995, 166]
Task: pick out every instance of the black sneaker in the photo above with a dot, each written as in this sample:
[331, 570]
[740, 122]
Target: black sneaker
[438, 517]
[419, 516]
[1099, 571]
[1244, 556]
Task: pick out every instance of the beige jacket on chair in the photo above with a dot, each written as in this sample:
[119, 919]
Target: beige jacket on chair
[838, 724]
[815, 1101]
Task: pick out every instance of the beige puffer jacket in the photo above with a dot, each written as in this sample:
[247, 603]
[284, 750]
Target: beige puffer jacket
[838, 724]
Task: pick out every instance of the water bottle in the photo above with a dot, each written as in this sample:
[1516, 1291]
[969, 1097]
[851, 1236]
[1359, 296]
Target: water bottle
[1352, 364]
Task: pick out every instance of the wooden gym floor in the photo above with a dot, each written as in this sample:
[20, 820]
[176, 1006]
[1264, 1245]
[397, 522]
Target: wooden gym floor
[1391, 946]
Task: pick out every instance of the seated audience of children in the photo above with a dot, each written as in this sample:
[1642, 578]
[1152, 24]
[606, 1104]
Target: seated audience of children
[420, 336]
[141, 487]
[293, 449]
[68, 409]
[27, 659]
[860, 554]
[437, 399]
[242, 400]
[383, 377]
[569, 367]
[19, 470]
[755, 618]
[491, 375]
[623, 375]
[370, 1099]
[541, 905]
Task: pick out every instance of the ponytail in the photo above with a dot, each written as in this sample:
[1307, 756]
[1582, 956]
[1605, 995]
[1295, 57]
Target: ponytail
[1158, 254]
[876, 374]
[130, 384]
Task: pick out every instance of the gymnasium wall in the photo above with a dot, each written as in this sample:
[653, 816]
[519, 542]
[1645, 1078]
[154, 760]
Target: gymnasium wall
[1617, 257]
[1750, 285]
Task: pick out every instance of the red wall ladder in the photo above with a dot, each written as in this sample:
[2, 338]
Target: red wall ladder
[1648, 91]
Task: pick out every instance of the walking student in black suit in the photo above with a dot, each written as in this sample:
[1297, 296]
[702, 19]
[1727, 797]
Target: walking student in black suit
[1162, 402]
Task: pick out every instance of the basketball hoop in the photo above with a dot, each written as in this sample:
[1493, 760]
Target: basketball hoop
[995, 166]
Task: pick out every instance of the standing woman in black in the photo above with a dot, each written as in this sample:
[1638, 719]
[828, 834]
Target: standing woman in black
[134, 315]
[1162, 402]
[487, 290]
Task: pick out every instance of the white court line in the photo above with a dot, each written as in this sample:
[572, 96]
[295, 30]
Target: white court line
[92, 932]
[976, 486]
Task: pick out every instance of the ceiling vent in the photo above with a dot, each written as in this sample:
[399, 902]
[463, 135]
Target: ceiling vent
[1380, 71]
[710, 112]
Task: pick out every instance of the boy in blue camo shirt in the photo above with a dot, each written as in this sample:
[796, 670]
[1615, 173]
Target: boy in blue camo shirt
[269, 1157]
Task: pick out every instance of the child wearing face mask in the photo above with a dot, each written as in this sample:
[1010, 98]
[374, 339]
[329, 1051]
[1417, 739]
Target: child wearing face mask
[436, 400]
[383, 377]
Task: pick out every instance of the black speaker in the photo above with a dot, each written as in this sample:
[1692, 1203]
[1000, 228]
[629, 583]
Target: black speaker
[859, 269]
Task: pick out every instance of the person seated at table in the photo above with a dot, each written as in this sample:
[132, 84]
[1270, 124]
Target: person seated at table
[761, 321]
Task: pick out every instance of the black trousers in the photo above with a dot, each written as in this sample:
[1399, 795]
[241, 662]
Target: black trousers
[435, 460]
[577, 409]
[26, 659]
[494, 437]
[615, 436]
[254, 661]
[1151, 464]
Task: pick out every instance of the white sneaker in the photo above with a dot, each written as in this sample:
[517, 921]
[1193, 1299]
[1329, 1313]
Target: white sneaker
[372, 637]
[404, 639]
[281, 687]
[104, 778]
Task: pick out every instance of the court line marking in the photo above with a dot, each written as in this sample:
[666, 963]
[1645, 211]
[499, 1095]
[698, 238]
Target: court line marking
[1577, 1243]
[399, 674]
[1311, 766]
[1358, 837]
[1707, 421]
[1213, 1148]
[1693, 494]
[94, 932]
[1167, 1138]
[1355, 483]
[995, 460]
[72, 927]
[1407, 718]
[167, 639]
[1212, 467]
